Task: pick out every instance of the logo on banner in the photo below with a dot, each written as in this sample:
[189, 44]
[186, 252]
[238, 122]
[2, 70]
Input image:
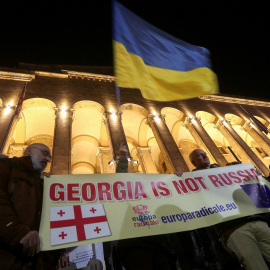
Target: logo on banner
[144, 218]
[259, 194]
[140, 209]
[77, 223]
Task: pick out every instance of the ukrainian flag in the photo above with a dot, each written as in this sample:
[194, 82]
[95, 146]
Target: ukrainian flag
[163, 67]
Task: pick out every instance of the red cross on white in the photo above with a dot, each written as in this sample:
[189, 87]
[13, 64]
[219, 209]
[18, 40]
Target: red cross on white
[63, 235]
[61, 213]
[93, 210]
[97, 229]
[77, 223]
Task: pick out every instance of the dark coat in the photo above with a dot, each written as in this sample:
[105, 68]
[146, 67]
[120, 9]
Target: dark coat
[21, 191]
[158, 242]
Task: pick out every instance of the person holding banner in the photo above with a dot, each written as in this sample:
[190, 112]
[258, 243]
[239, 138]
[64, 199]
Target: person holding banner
[247, 238]
[144, 253]
[205, 237]
[200, 160]
[209, 236]
[21, 191]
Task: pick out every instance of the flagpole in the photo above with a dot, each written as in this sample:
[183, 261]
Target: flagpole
[15, 116]
[238, 160]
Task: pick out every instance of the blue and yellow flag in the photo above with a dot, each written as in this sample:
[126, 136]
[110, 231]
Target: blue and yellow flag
[163, 67]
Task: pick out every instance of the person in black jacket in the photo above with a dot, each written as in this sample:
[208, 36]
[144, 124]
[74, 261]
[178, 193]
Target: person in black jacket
[142, 253]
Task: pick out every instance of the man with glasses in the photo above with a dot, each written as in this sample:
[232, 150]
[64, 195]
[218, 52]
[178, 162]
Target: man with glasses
[21, 190]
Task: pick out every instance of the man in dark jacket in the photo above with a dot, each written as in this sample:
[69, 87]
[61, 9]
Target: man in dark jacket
[142, 253]
[21, 190]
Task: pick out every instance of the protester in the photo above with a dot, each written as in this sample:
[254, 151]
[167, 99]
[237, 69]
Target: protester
[21, 191]
[144, 253]
[248, 237]
[213, 250]
[200, 160]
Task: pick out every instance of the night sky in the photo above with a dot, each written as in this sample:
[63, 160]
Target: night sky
[79, 33]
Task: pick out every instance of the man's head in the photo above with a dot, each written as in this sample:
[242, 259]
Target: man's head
[199, 159]
[40, 155]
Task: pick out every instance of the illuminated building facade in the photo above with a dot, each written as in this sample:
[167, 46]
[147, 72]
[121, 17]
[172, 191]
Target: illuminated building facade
[75, 111]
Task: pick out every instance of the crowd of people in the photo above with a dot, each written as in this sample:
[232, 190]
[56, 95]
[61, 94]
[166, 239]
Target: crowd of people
[242, 243]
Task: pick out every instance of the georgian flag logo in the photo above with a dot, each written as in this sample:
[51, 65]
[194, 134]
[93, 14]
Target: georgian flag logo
[77, 223]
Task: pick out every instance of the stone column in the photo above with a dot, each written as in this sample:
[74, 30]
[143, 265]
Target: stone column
[105, 158]
[8, 118]
[146, 160]
[259, 137]
[115, 131]
[202, 138]
[8, 124]
[237, 142]
[168, 147]
[61, 146]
